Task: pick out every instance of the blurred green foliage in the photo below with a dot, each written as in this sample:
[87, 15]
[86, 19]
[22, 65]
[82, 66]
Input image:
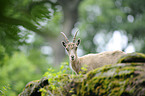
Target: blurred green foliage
[21, 62]
[18, 70]
[10, 37]
[104, 17]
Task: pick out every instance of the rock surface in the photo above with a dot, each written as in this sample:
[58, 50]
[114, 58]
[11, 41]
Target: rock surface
[126, 78]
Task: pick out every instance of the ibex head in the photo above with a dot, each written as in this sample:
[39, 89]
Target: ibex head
[71, 47]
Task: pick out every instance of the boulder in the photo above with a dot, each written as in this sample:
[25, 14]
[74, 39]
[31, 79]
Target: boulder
[126, 78]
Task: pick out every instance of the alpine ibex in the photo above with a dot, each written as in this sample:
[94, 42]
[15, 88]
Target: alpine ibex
[90, 61]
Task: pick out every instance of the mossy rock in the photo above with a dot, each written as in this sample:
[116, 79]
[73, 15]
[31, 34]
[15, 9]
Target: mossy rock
[132, 58]
[32, 88]
[122, 79]
[111, 80]
[114, 80]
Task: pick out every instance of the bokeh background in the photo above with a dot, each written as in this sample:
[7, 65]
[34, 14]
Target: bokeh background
[30, 39]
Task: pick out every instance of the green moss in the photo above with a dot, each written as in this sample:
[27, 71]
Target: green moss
[108, 80]
[132, 57]
[112, 79]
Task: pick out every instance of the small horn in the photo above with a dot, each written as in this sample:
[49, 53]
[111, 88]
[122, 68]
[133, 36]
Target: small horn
[74, 39]
[67, 41]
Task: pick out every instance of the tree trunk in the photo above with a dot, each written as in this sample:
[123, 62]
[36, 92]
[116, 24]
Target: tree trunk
[70, 17]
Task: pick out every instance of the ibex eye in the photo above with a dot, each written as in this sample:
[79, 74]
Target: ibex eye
[67, 49]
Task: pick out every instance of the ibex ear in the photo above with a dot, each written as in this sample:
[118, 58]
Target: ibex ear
[78, 42]
[63, 43]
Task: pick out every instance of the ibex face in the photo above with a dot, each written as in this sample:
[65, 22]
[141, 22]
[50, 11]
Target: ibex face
[71, 47]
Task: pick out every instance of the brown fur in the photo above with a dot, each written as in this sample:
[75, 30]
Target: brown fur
[93, 61]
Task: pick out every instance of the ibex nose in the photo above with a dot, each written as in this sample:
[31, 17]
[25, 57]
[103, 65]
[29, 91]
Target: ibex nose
[72, 57]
